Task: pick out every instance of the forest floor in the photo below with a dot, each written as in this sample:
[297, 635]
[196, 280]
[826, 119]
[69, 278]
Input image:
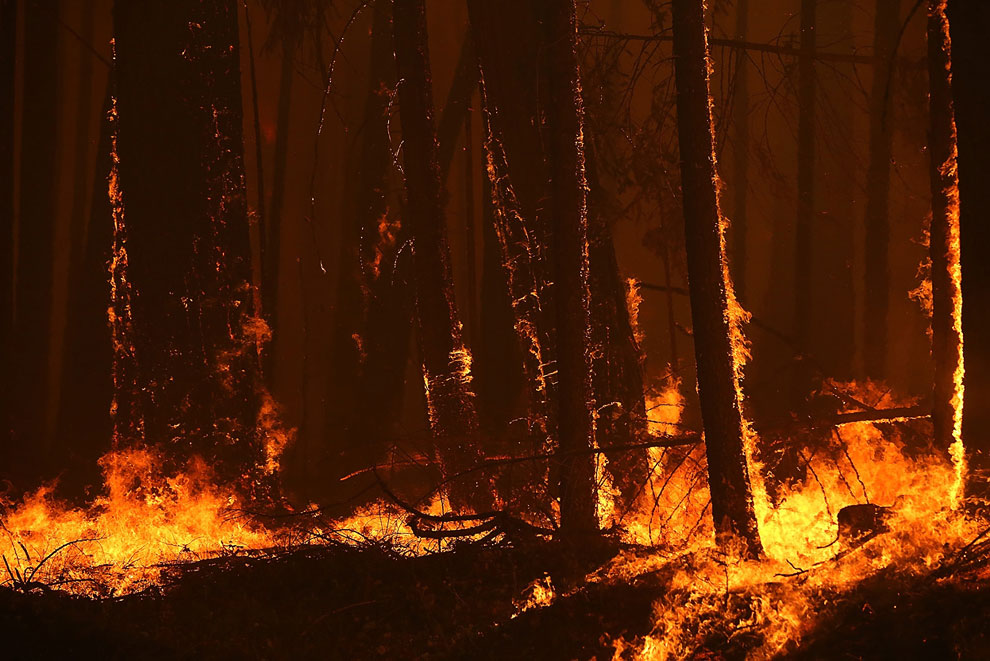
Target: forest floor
[367, 602]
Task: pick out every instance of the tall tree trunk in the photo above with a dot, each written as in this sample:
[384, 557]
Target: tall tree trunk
[272, 241]
[36, 228]
[886, 31]
[569, 244]
[371, 326]
[969, 24]
[944, 242]
[446, 361]
[457, 107]
[805, 185]
[184, 329]
[8, 76]
[710, 292]
[740, 153]
[517, 364]
[87, 384]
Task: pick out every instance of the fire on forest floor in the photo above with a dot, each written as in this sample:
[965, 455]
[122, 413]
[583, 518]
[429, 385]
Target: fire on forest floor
[680, 595]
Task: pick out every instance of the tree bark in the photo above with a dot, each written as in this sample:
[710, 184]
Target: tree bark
[944, 238]
[446, 361]
[969, 24]
[728, 473]
[36, 227]
[886, 32]
[569, 241]
[184, 327]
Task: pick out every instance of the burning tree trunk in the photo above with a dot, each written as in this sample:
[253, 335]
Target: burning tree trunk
[36, 226]
[944, 241]
[710, 290]
[969, 24]
[446, 361]
[569, 241]
[887, 30]
[8, 70]
[184, 331]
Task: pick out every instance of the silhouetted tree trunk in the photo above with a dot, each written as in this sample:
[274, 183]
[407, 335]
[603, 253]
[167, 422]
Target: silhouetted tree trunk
[886, 31]
[944, 236]
[184, 328]
[272, 242]
[36, 229]
[728, 474]
[371, 326]
[446, 361]
[805, 185]
[457, 107]
[8, 69]
[969, 24]
[84, 422]
[569, 245]
[740, 153]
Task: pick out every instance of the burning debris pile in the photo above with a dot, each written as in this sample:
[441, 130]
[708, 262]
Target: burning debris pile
[508, 478]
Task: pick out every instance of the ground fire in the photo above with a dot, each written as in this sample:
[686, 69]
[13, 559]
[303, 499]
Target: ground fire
[574, 329]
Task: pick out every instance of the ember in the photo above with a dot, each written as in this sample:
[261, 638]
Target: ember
[567, 329]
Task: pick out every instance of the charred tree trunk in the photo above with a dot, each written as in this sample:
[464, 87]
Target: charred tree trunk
[87, 384]
[272, 241]
[371, 327]
[805, 187]
[446, 361]
[569, 244]
[944, 237]
[886, 32]
[8, 69]
[969, 25]
[36, 229]
[184, 328]
[457, 108]
[740, 153]
[728, 474]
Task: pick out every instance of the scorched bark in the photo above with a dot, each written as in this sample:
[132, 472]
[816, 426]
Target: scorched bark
[728, 474]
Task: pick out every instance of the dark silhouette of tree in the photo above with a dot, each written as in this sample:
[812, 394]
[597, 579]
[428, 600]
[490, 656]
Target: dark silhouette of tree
[36, 228]
[184, 329]
[807, 84]
[569, 260]
[446, 361]
[740, 152]
[886, 32]
[728, 474]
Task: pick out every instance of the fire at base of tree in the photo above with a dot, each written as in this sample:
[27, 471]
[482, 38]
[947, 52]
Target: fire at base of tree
[406, 329]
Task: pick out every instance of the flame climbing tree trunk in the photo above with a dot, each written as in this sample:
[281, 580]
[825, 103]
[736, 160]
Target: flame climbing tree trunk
[944, 238]
[446, 361]
[569, 245]
[185, 335]
[886, 32]
[969, 23]
[740, 152]
[728, 474]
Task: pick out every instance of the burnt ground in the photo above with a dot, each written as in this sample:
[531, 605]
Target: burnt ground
[371, 602]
